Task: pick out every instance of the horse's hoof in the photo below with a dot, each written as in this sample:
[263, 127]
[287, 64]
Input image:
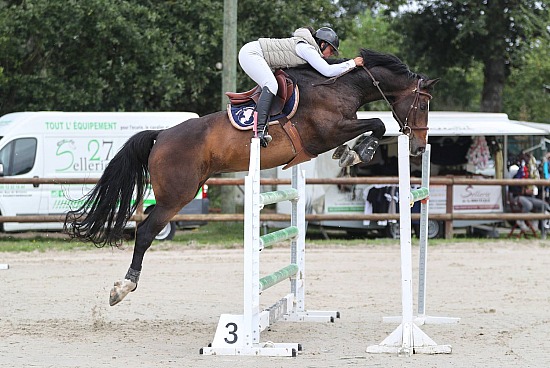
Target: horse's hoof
[340, 151]
[120, 290]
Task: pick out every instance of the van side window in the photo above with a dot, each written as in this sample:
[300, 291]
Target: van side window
[18, 156]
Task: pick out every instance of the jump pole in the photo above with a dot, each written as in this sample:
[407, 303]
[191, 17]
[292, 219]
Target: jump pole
[240, 334]
[407, 338]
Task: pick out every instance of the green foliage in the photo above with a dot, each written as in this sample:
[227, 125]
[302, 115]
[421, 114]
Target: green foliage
[444, 35]
[85, 55]
[132, 55]
[155, 55]
[524, 96]
[370, 32]
[373, 32]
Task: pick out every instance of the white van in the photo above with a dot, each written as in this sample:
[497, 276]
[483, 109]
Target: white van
[51, 144]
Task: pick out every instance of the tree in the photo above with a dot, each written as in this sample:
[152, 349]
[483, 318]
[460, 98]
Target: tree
[371, 31]
[525, 97]
[455, 33]
[133, 55]
[84, 55]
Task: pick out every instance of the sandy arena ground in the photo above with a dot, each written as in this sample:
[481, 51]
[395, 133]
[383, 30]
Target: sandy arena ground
[54, 309]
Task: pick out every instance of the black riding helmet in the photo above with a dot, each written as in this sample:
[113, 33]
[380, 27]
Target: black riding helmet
[327, 35]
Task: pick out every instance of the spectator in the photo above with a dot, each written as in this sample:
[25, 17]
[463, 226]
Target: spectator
[525, 196]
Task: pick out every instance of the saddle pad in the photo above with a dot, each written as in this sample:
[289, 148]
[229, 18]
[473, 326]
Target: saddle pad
[242, 116]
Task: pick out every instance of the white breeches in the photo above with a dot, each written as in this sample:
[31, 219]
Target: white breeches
[251, 59]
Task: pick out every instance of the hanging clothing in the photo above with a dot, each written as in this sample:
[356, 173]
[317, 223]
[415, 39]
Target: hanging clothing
[382, 200]
[478, 154]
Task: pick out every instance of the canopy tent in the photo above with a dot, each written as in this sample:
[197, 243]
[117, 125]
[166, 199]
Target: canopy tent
[446, 123]
[541, 126]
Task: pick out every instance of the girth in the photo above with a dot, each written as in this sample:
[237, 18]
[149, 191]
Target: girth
[302, 155]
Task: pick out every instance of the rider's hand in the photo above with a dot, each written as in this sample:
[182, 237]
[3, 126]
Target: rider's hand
[358, 61]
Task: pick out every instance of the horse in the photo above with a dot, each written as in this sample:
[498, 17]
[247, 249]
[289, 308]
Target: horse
[178, 161]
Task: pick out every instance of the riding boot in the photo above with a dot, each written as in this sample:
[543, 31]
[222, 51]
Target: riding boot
[262, 116]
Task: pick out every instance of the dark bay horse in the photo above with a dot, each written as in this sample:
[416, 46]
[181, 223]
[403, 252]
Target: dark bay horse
[179, 160]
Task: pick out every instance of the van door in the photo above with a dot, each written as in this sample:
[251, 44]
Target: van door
[18, 159]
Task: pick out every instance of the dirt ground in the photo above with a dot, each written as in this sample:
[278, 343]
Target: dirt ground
[54, 309]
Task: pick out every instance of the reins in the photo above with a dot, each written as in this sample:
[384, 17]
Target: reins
[404, 126]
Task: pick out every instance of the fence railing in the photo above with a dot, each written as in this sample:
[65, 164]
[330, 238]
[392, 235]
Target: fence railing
[447, 217]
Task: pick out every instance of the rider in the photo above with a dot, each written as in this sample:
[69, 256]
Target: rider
[259, 58]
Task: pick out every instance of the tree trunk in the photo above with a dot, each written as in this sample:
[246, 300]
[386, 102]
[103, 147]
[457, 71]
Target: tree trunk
[494, 77]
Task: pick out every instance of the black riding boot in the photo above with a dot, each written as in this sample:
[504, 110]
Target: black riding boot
[262, 111]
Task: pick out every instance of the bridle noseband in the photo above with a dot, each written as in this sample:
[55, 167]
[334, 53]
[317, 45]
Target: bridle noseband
[405, 128]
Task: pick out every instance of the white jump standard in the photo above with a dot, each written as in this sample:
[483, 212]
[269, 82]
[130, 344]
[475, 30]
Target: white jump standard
[421, 317]
[240, 334]
[408, 338]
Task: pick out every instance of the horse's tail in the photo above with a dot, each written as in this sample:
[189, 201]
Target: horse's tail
[102, 217]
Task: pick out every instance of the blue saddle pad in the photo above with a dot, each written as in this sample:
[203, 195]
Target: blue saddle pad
[242, 116]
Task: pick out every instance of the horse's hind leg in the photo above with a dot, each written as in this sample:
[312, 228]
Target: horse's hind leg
[145, 234]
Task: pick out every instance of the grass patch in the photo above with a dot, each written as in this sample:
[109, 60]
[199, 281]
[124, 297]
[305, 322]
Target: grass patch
[227, 235]
[39, 243]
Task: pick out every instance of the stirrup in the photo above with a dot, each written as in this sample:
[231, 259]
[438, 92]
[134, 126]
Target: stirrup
[264, 136]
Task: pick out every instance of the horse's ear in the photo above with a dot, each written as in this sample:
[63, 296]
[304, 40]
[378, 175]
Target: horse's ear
[429, 84]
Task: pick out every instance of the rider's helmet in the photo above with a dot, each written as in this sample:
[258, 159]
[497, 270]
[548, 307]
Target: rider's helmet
[327, 35]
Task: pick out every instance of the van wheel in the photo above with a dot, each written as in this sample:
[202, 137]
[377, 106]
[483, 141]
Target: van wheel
[392, 230]
[436, 229]
[168, 232]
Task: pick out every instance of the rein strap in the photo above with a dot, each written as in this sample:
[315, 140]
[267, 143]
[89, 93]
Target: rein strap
[404, 126]
[377, 85]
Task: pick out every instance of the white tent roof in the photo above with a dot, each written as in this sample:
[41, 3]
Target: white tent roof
[445, 123]
[541, 126]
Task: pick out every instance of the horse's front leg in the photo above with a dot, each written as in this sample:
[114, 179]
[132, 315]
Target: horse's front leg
[144, 238]
[364, 151]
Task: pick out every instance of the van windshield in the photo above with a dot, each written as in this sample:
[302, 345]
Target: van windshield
[18, 156]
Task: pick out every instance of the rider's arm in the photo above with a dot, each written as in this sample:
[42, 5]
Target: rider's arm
[309, 54]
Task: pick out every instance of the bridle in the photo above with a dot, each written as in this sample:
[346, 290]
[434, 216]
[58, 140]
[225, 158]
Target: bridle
[405, 128]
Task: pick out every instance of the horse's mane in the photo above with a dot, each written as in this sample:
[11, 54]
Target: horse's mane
[373, 59]
[391, 62]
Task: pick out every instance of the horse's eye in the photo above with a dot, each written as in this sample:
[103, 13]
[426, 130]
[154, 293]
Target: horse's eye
[423, 106]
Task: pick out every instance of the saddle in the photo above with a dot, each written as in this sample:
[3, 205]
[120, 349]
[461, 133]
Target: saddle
[285, 89]
[283, 107]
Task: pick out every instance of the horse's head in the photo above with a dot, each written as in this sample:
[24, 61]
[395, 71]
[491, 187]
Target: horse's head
[410, 109]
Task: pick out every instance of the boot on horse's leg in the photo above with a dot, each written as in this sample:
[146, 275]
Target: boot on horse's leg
[367, 148]
[262, 115]
[363, 152]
